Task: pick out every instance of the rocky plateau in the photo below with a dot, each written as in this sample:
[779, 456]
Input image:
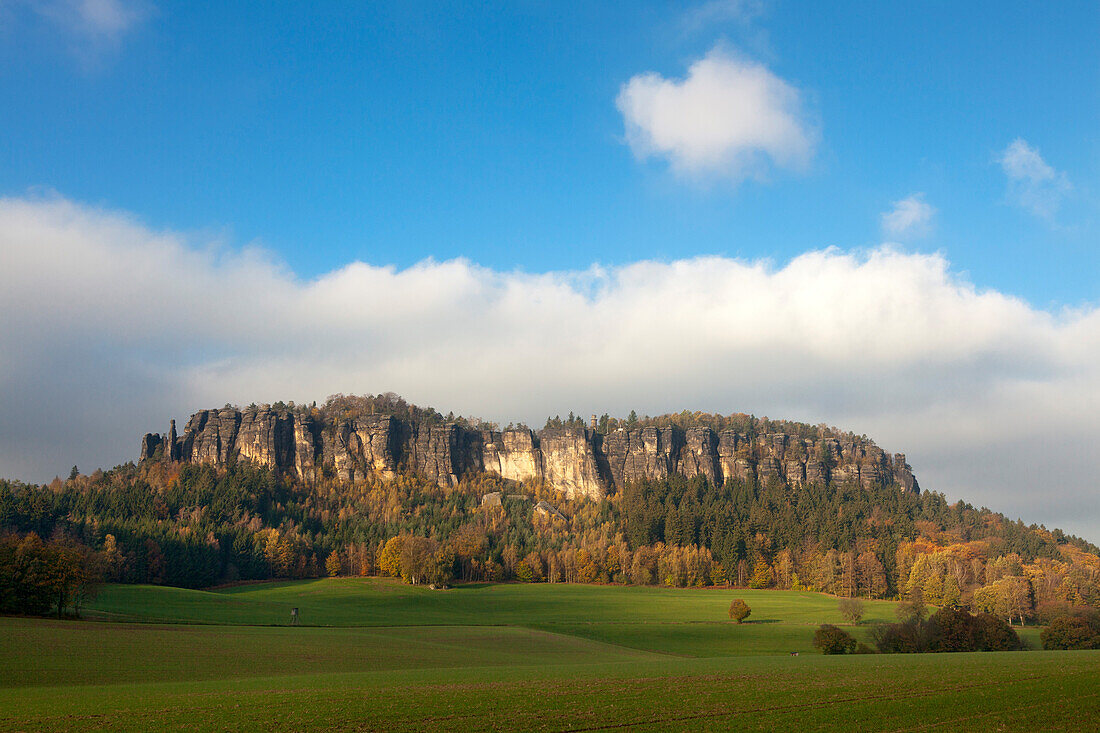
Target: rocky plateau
[576, 461]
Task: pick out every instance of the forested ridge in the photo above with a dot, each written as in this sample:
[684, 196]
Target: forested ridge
[199, 525]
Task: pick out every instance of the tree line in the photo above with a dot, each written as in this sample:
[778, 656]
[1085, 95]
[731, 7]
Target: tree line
[196, 526]
[46, 576]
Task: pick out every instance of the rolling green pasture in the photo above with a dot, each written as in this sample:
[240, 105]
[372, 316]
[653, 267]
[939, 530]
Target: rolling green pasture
[374, 654]
[41, 653]
[386, 602]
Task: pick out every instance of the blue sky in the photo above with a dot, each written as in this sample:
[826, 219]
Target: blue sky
[878, 217]
[390, 133]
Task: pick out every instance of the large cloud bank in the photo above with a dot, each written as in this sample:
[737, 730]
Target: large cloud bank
[110, 328]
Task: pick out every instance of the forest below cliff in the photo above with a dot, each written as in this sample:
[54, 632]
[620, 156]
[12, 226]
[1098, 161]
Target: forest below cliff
[199, 525]
[227, 502]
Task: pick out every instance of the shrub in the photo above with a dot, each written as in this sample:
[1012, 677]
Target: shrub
[905, 638]
[992, 634]
[952, 630]
[1077, 631]
[833, 640]
[739, 610]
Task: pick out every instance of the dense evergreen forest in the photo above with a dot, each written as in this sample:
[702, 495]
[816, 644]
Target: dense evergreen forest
[198, 526]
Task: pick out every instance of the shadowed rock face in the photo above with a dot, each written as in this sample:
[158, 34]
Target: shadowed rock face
[149, 445]
[699, 455]
[574, 460]
[357, 448]
[649, 453]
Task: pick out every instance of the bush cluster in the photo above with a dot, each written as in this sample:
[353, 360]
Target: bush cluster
[834, 640]
[1079, 629]
[948, 630]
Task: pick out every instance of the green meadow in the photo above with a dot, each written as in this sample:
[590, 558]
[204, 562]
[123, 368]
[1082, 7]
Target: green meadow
[373, 654]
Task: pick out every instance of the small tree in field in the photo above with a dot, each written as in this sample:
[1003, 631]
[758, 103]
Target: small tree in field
[333, 564]
[739, 610]
[851, 609]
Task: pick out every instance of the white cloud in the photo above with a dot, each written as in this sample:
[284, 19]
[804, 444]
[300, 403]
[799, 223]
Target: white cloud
[909, 217]
[1023, 162]
[1033, 184]
[109, 329]
[729, 118]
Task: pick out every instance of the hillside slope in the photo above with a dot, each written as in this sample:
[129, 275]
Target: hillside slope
[226, 514]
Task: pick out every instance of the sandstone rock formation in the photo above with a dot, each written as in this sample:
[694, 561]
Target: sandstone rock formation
[576, 461]
[512, 454]
[569, 461]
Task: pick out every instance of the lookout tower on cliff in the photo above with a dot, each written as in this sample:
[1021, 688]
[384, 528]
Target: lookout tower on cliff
[592, 423]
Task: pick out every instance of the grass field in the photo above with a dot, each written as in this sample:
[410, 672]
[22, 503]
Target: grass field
[378, 655]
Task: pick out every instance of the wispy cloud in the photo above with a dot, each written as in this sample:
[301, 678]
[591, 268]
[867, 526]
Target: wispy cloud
[110, 328]
[909, 217]
[1033, 183]
[728, 118]
[707, 15]
[91, 27]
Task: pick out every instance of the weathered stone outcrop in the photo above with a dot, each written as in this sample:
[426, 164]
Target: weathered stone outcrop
[266, 437]
[354, 449]
[734, 450]
[214, 435]
[795, 472]
[903, 474]
[569, 461]
[441, 452]
[767, 470]
[816, 473]
[574, 460]
[171, 447]
[149, 446]
[512, 454]
[699, 455]
[547, 512]
[307, 438]
[649, 453]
